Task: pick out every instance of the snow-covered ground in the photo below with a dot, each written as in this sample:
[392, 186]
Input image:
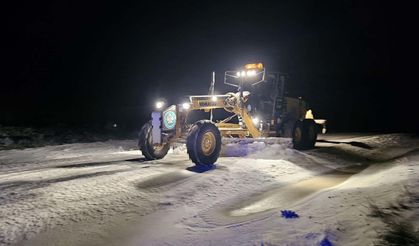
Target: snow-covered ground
[353, 189]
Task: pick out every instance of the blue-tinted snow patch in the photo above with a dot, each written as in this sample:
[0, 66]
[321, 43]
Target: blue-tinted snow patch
[289, 214]
[325, 242]
[201, 168]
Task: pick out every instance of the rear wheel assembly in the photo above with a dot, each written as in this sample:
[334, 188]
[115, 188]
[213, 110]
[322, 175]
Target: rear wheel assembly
[304, 134]
[311, 132]
[151, 151]
[204, 143]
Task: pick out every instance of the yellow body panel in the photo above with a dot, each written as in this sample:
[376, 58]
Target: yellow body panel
[208, 102]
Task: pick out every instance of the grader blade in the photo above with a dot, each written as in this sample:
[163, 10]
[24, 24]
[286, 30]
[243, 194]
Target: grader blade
[232, 147]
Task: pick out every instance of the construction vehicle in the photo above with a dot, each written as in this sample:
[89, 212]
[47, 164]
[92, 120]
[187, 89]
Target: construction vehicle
[258, 111]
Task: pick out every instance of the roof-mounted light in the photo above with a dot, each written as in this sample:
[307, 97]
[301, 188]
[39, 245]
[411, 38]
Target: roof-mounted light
[256, 66]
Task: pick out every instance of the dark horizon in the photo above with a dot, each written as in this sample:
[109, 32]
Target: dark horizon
[102, 62]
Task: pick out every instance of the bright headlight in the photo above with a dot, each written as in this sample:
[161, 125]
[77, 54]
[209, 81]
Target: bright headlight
[251, 73]
[255, 120]
[186, 106]
[159, 104]
[214, 98]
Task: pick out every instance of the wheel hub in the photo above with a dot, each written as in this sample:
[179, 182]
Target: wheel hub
[158, 147]
[208, 143]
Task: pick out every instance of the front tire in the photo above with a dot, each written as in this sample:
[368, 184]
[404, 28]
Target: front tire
[145, 143]
[204, 143]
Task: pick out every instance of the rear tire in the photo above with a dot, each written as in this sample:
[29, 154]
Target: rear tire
[311, 129]
[145, 143]
[304, 134]
[204, 143]
[297, 135]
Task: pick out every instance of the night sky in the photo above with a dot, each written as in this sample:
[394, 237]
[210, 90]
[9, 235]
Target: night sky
[95, 62]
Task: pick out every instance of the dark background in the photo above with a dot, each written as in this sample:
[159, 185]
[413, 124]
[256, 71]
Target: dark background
[97, 62]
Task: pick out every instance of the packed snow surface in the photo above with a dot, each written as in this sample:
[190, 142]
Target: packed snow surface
[352, 189]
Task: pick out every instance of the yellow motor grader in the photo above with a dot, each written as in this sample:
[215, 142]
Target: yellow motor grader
[258, 111]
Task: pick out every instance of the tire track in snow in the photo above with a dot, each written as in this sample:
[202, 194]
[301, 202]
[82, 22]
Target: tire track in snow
[262, 205]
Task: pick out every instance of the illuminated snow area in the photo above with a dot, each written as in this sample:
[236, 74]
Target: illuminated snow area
[105, 193]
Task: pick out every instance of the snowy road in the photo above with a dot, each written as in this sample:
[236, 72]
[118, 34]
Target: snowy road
[351, 190]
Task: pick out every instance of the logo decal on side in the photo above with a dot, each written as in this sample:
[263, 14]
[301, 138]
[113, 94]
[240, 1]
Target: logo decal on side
[169, 119]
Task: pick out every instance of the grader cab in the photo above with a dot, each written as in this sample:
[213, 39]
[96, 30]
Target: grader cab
[258, 111]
